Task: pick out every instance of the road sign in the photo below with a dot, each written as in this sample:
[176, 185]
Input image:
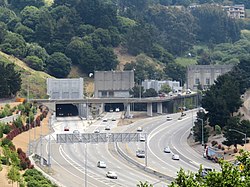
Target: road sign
[98, 137]
[241, 167]
[125, 137]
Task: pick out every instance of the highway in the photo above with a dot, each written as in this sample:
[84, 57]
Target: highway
[68, 160]
[174, 134]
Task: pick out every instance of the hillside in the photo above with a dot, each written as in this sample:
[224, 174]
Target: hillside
[34, 81]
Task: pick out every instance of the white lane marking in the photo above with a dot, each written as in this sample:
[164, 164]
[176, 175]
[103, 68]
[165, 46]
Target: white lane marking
[64, 167]
[78, 167]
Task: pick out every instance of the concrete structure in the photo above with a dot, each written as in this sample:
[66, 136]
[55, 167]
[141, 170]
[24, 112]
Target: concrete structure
[155, 84]
[113, 84]
[205, 75]
[65, 88]
[235, 11]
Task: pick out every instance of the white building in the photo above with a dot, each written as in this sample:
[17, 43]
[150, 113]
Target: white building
[65, 88]
[155, 84]
[114, 84]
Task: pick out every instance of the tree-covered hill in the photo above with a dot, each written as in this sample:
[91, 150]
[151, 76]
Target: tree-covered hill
[84, 33]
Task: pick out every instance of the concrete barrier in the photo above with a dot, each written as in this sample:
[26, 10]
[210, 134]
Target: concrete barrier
[139, 165]
[53, 180]
[9, 118]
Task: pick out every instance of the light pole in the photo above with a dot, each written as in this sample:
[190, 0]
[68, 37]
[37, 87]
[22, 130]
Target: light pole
[202, 133]
[242, 134]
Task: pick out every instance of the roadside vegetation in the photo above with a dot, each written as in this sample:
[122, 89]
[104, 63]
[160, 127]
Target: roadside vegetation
[17, 160]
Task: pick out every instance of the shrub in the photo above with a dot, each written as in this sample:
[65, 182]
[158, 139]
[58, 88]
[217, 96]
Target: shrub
[217, 129]
[4, 160]
[235, 150]
[1, 131]
[6, 129]
[219, 146]
[214, 143]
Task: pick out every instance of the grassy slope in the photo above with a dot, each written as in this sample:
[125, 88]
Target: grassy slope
[36, 79]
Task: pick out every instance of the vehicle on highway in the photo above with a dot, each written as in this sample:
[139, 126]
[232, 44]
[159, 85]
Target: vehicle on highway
[107, 127]
[169, 118]
[167, 149]
[113, 119]
[183, 114]
[66, 128]
[142, 138]
[104, 120]
[96, 131]
[175, 157]
[111, 174]
[140, 153]
[180, 118]
[139, 129]
[76, 132]
[205, 171]
[101, 164]
[117, 109]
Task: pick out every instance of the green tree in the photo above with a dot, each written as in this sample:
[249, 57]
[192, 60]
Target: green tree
[222, 100]
[137, 91]
[44, 28]
[10, 80]
[58, 65]
[215, 25]
[3, 31]
[197, 129]
[33, 49]
[30, 16]
[14, 44]
[20, 4]
[232, 137]
[34, 62]
[14, 174]
[165, 88]
[150, 93]
[141, 38]
[176, 72]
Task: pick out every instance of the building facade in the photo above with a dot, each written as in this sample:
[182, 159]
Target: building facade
[235, 11]
[155, 84]
[65, 88]
[204, 75]
[113, 84]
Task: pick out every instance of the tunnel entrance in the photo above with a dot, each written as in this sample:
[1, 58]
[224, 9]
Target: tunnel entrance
[64, 110]
[113, 106]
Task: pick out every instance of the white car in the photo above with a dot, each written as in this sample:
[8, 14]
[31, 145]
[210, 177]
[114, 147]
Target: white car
[142, 138]
[117, 110]
[101, 164]
[111, 174]
[169, 118]
[140, 153]
[175, 157]
[107, 127]
[167, 149]
[96, 131]
[139, 129]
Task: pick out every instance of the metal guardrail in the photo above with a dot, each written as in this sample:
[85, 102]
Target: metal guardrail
[146, 169]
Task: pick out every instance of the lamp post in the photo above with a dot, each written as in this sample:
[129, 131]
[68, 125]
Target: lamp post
[202, 133]
[242, 134]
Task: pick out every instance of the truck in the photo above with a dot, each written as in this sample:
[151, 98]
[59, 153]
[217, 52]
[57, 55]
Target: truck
[213, 154]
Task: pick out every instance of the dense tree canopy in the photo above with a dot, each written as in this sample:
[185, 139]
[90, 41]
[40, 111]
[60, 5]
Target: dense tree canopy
[10, 80]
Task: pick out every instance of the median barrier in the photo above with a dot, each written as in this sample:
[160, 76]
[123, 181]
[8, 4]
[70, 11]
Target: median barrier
[53, 180]
[143, 167]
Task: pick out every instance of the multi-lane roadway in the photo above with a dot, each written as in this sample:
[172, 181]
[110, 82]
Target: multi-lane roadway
[71, 166]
